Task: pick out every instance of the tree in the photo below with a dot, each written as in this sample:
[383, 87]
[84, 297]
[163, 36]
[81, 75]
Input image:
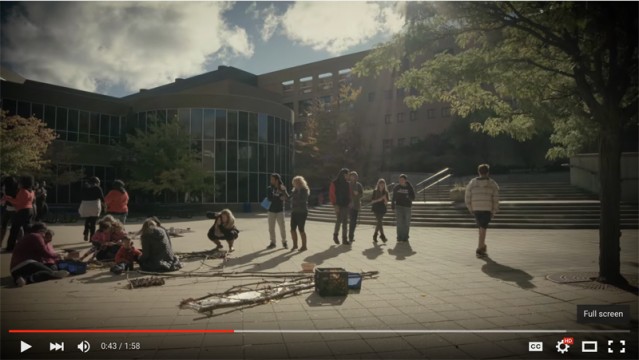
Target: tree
[566, 66]
[163, 160]
[23, 144]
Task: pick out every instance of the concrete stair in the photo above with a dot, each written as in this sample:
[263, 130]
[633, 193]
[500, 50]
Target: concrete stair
[522, 206]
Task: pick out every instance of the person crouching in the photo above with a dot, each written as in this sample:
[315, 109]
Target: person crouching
[223, 229]
[126, 257]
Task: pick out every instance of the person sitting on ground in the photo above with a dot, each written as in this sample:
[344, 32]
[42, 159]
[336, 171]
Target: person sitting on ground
[157, 251]
[34, 258]
[223, 229]
[126, 257]
[108, 239]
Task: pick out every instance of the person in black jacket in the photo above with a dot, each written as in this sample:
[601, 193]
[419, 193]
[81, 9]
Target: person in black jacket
[223, 229]
[340, 195]
[9, 187]
[403, 197]
[276, 193]
[91, 206]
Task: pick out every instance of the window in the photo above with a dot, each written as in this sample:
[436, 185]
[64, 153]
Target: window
[387, 144]
[400, 117]
[262, 127]
[371, 96]
[38, 111]
[325, 81]
[271, 129]
[290, 106]
[288, 86]
[413, 115]
[184, 116]
[24, 109]
[220, 124]
[208, 155]
[445, 112]
[196, 124]
[253, 127]
[401, 142]
[244, 126]
[387, 118]
[232, 125]
[388, 94]
[304, 107]
[414, 140]
[326, 103]
[208, 123]
[306, 85]
[10, 106]
[345, 76]
[220, 159]
[431, 113]
[401, 93]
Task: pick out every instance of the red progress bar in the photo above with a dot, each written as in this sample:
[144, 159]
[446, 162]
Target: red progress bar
[120, 331]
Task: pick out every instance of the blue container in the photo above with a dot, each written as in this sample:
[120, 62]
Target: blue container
[73, 267]
[354, 281]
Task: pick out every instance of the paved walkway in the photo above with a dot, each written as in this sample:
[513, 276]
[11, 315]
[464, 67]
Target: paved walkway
[436, 283]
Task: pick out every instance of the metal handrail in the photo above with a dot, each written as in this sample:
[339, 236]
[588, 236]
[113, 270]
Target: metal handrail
[435, 183]
[432, 176]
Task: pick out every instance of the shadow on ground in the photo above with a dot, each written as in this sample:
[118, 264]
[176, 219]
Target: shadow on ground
[401, 251]
[374, 252]
[315, 300]
[329, 253]
[507, 273]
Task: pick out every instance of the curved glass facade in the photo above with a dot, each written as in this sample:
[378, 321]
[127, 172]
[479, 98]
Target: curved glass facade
[240, 148]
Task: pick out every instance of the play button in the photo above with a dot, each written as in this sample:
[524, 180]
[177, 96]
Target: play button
[24, 346]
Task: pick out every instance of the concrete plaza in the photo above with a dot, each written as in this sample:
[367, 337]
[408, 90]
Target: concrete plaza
[436, 283]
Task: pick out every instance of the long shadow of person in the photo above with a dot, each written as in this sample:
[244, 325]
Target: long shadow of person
[329, 253]
[272, 262]
[374, 252]
[402, 251]
[507, 273]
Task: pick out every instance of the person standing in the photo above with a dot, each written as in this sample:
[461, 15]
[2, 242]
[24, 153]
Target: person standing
[91, 206]
[378, 204]
[117, 201]
[42, 209]
[277, 194]
[9, 188]
[340, 196]
[23, 202]
[357, 191]
[299, 210]
[482, 200]
[403, 197]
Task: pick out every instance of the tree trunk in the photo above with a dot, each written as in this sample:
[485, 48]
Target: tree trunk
[610, 195]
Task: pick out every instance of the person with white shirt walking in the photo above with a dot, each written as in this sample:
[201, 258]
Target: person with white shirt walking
[482, 200]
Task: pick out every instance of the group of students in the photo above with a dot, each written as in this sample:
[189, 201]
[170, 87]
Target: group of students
[116, 204]
[22, 201]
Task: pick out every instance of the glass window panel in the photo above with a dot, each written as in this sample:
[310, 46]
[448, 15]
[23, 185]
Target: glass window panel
[231, 188]
[232, 125]
[209, 123]
[105, 140]
[231, 156]
[208, 155]
[114, 124]
[104, 125]
[196, 123]
[151, 118]
[253, 159]
[283, 160]
[61, 119]
[161, 116]
[243, 156]
[95, 124]
[263, 128]
[253, 127]
[270, 164]
[242, 188]
[208, 195]
[49, 116]
[38, 111]
[24, 109]
[94, 139]
[72, 136]
[220, 187]
[84, 122]
[243, 126]
[262, 156]
[73, 121]
[262, 185]
[271, 130]
[10, 106]
[278, 131]
[196, 146]
[76, 191]
[220, 124]
[220, 158]
[184, 116]
[171, 115]
[254, 186]
[83, 138]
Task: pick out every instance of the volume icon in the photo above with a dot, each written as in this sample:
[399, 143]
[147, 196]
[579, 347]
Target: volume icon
[84, 346]
[56, 347]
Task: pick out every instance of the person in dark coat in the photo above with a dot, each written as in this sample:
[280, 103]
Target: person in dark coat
[91, 206]
[223, 229]
[157, 251]
[340, 196]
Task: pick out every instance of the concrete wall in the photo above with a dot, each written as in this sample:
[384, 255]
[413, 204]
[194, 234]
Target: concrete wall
[584, 173]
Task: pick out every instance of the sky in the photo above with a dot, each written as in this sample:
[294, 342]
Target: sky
[117, 48]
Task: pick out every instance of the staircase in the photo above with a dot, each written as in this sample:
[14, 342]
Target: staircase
[522, 206]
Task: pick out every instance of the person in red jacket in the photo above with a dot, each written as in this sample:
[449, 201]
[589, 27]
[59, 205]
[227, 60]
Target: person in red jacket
[117, 201]
[126, 257]
[34, 258]
[23, 203]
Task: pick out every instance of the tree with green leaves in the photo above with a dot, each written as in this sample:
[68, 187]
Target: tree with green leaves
[162, 159]
[567, 67]
[23, 144]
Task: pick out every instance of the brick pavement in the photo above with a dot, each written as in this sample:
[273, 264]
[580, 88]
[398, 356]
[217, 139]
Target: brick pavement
[436, 283]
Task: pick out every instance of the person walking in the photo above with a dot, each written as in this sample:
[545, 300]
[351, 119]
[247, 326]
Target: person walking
[276, 193]
[378, 205]
[357, 191]
[340, 197]
[10, 188]
[117, 201]
[482, 200]
[23, 203]
[299, 210]
[42, 208]
[91, 206]
[403, 197]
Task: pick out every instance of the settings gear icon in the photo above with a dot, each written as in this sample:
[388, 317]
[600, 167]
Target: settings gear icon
[562, 347]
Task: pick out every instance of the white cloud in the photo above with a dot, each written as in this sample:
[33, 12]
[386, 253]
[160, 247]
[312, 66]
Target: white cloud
[337, 26]
[96, 45]
[271, 22]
